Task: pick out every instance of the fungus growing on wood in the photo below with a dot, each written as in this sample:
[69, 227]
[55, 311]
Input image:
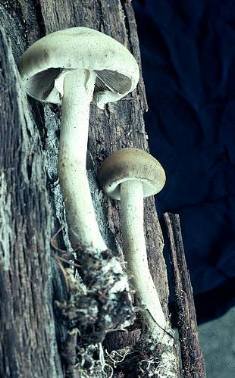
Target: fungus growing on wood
[73, 67]
[130, 175]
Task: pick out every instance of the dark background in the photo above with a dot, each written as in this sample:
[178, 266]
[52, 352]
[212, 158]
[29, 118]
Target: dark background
[188, 56]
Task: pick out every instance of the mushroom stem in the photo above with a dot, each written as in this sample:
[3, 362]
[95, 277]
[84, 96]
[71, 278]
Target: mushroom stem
[132, 228]
[78, 90]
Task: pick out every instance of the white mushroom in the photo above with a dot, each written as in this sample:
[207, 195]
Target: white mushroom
[65, 67]
[129, 175]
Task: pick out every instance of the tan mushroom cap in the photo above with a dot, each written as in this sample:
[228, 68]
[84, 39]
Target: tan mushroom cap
[131, 164]
[79, 48]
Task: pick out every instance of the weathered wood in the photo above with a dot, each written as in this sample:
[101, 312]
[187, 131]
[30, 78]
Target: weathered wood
[27, 326]
[191, 354]
[34, 286]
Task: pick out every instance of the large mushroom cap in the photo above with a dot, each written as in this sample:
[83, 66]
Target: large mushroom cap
[131, 164]
[79, 48]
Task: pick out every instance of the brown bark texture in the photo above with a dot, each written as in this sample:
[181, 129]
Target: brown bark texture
[38, 334]
[191, 355]
[27, 325]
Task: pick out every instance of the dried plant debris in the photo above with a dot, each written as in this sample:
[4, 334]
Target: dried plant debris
[103, 303]
[142, 360]
[99, 338]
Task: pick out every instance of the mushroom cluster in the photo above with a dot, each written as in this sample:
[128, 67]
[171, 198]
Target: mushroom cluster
[72, 68]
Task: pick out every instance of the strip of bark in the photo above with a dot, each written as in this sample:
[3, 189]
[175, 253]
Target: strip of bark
[27, 328]
[191, 354]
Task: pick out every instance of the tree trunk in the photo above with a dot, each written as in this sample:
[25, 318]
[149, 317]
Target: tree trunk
[39, 335]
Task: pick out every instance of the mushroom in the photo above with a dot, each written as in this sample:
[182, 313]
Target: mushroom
[72, 67]
[129, 175]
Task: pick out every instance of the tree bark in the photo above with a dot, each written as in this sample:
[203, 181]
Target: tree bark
[191, 355]
[27, 328]
[38, 335]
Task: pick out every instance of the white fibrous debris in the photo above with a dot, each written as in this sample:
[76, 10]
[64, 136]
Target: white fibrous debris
[5, 224]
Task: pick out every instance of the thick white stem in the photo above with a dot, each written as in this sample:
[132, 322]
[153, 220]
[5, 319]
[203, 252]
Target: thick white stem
[78, 91]
[132, 228]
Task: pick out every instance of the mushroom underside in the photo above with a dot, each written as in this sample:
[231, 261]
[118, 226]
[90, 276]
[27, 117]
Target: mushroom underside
[42, 85]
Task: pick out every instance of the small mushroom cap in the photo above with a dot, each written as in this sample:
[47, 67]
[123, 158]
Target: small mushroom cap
[131, 164]
[79, 48]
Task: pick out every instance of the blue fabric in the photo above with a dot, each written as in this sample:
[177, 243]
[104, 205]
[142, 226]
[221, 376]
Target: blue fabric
[188, 56]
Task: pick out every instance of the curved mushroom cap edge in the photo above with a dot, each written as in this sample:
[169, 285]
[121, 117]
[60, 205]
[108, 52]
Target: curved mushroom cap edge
[77, 48]
[131, 164]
